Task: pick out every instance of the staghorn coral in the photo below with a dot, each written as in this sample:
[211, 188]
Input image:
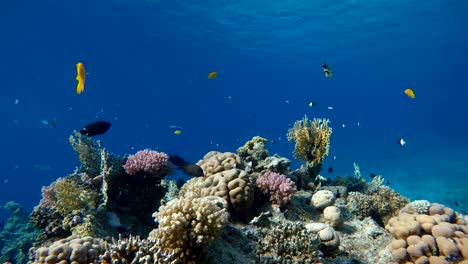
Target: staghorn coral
[214, 162]
[234, 185]
[148, 163]
[287, 241]
[133, 250]
[186, 225]
[312, 139]
[279, 187]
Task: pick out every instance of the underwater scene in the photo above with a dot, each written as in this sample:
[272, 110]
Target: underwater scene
[156, 131]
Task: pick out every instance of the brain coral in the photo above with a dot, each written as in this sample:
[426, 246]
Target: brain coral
[234, 185]
[440, 236]
[187, 224]
[71, 250]
[148, 163]
[214, 162]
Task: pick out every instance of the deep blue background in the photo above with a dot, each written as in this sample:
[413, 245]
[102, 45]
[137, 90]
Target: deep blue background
[148, 63]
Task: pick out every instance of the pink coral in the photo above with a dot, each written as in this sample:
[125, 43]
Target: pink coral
[148, 163]
[280, 187]
[48, 196]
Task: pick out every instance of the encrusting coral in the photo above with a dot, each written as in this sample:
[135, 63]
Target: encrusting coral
[312, 139]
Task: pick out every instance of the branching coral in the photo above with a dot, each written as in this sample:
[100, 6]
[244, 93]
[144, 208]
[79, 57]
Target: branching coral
[148, 163]
[187, 224]
[279, 187]
[312, 139]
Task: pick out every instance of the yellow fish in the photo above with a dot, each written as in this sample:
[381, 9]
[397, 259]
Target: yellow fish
[80, 77]
[410, 93]
[177, 132]
[212, 75]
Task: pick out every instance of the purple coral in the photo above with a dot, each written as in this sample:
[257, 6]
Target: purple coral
[149, 163]
[280, 187]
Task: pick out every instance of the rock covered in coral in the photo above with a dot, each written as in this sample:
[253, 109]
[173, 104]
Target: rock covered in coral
[132, 250]
[254, 152]
[439, 236]
[333, 216]
[71, 250]
[382, 204]
[279, 187]
[322, 199]
[214, 162]
[234, 185]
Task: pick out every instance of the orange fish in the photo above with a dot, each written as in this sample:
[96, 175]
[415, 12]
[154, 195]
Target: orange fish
[212, 75]
[80, 77]
[410, 93]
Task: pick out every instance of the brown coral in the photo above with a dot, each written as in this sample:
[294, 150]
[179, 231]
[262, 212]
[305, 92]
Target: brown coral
[214, 162]
[435, 236]
[234, 185]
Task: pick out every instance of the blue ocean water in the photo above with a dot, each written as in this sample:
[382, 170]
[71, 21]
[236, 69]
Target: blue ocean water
[147, 64]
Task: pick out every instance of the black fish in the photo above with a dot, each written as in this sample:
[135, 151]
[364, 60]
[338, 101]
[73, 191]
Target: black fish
[185, 166]
[193, 170]
[177, 160]
[330, 169]
[372, 175]
[96, 128]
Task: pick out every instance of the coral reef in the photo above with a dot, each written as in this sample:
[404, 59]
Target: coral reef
[246, 209]
[279, 187]
[438, 235]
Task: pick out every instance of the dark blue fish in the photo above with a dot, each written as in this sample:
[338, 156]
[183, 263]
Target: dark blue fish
[188, 168]
[330, 169]
[96, 128]
[372, 175]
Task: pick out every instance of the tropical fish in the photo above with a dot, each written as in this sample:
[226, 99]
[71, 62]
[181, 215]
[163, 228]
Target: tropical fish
[372, 175]
[188, 168]
[312, 104]
[53, 122]
[80, 77]
[402, 142]
[410, 93]
[326, 70]
[96, 128]
[212, 75]
[177, 132]
[330, 169]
